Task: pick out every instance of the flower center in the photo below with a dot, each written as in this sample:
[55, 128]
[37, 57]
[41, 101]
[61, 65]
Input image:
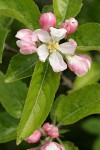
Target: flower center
[52, 46]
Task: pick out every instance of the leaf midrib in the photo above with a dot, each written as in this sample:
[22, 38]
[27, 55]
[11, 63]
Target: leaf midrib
[36, 97]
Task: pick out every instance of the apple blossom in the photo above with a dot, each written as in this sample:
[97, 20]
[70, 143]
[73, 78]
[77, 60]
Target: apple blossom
[70, 25]
[47, 20]
[51, 48]
[52, 146]
[35, 137]
[26, 43]
[51, 130]
[79, 64]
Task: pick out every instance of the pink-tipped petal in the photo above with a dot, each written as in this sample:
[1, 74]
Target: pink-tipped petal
[57, 34]
[26, 48]
[79, 64]
[42, 52]
[70, 25]
[68, 47]
[47, 20]
[57, 62]
[35, 137]
[25, 35]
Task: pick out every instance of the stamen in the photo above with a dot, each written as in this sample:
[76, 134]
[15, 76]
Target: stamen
[52, 46]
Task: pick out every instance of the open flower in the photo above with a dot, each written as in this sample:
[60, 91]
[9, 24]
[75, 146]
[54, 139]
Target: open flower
[52, 146]
[51, 48]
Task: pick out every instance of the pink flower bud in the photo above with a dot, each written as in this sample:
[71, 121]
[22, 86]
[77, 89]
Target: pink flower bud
[70, 25]
[51, 130]
[52, 146]
[26, 41]
[35, 137]
[47, 20]
[79, 64]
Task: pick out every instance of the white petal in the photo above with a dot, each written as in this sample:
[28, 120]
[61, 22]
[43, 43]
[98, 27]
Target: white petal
[57, 62]
[42, 35]
[68, 47]
[57, 34]
[42, 52]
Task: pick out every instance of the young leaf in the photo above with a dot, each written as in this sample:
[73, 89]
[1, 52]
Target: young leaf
[12, 96]
[96, 145]
[87, 37]
[3, 35]
[40, 96]
[21, 66]
[22, 10]
[8, 127]
[79, 104]
[90, 78]
[69, 146]
[65, 9]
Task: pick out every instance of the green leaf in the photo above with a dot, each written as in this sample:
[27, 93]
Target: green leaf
[96, 145]
[92, 126]
[5, 22]
[87, 37]
[47, 8]
[64, 9]
[78, 104]
[40, 97]
[21, 66]
[3, 35]
[8, 127]
[69, 146]
[24, 11]
[12, 96]
[91, 77]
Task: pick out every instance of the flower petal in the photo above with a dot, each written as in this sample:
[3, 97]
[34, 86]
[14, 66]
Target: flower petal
[26, 48]
[68, 47]
[25, 35]
[57, 34]
[42, 52]
[57, 62]
[42, 35]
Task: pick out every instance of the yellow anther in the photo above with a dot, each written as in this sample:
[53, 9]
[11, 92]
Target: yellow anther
[52, 46]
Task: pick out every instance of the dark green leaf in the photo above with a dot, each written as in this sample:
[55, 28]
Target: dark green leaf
[87, 37]
[47, 8]
[12, 96]
[40, 96]
[8, 127]
[64, 9]
[78, 104]
[21, 66]
[90, 78]
[3, 35]
[22, 10]
[69, 146]
[96, 145]
[92, 126]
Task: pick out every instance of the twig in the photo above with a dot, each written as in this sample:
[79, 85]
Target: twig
[7, 47]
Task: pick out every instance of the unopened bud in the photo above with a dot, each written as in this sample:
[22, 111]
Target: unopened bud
[79, 64]
[47, 20]
[35, 137]
[51, 130]
[70, 25]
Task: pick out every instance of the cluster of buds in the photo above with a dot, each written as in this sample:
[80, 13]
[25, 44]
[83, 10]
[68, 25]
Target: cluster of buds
[45, 42]
[51, 132]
